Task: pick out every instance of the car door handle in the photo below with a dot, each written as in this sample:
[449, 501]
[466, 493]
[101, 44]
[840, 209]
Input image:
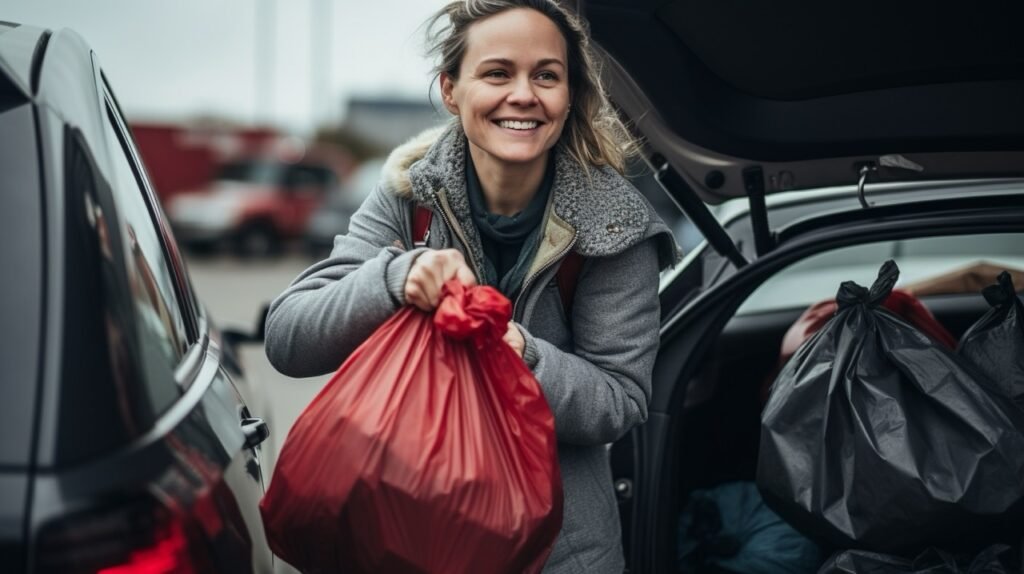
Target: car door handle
[255, 430]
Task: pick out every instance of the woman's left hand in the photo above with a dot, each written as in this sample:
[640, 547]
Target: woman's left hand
[514, 338]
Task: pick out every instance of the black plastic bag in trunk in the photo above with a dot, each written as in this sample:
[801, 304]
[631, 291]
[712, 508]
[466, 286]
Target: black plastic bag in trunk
[931, 561]
[995, 344]
[874, 437]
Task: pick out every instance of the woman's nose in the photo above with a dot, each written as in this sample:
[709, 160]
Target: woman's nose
[522, 93]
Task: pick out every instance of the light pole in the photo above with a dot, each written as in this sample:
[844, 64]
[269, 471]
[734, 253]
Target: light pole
[264, 61]
[321, 47]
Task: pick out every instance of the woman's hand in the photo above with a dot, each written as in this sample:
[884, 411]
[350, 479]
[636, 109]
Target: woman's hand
[514, 338]
[429, 273]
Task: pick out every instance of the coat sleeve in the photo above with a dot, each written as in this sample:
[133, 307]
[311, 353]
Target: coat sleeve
[600, 391]
[333, 306]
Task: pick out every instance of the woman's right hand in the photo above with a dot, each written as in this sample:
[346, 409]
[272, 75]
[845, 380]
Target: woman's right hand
[430, 272]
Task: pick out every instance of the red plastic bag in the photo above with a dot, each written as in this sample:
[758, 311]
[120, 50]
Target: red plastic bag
[432, 449]
[900, 302]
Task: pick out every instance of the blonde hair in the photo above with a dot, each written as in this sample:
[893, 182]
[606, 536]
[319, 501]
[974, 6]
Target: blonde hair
[593, 134]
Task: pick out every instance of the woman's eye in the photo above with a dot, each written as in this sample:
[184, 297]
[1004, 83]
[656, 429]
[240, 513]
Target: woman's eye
[496, 74]
[547, 76]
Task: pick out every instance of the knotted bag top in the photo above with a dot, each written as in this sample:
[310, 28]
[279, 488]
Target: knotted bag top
[850, 293]
[478, 312]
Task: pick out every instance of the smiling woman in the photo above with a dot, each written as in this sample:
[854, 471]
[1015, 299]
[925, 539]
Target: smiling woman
[527, 187]
[511, 94]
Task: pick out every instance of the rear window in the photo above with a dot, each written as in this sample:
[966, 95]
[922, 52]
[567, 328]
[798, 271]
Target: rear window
[818, 277]
[21, 258]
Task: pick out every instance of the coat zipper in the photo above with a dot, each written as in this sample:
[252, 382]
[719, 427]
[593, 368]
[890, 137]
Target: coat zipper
[531, 278]
[459, 236]
[472, 262]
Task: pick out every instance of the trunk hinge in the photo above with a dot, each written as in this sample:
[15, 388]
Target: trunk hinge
[686, 199]
[753, 182]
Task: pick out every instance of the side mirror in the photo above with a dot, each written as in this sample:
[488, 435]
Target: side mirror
[234, 337]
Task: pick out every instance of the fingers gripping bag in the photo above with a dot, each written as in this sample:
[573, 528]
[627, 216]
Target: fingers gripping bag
[995, 343]
[432, 449]
[875, 437]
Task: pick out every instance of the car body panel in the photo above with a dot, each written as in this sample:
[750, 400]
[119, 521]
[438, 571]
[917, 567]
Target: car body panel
[193, 460]
[14, 484]
[21, 306]
[83, 446]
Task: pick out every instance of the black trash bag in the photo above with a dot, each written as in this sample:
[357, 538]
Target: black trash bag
[931, 561]
[995, 343]
[876, 438]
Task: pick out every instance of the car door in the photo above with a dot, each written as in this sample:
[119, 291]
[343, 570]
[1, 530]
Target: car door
[238, 490]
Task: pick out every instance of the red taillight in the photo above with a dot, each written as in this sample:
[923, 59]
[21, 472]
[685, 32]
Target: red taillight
[136, 536]
[168, 554]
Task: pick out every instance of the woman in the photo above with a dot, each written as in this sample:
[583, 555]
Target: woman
[527, 172]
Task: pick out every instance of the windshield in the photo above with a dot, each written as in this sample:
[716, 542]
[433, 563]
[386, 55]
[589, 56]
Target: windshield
[258, 172]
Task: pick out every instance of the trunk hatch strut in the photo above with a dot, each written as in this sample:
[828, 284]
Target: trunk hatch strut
[753, 182]
[696, 210]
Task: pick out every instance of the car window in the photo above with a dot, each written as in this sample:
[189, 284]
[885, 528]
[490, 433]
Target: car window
[308, 176]
[159, 317]
[818, 277]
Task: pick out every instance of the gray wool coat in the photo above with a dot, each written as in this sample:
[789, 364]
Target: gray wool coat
[594, 368]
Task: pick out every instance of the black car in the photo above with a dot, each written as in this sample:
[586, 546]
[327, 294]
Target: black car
[850, 136]
[125, 445]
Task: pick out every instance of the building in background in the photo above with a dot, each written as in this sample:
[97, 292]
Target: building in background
[387, 122]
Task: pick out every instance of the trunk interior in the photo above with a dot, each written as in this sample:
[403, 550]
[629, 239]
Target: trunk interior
[717, 437]
[721, 424]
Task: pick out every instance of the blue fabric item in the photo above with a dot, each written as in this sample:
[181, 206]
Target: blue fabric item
[730, 527]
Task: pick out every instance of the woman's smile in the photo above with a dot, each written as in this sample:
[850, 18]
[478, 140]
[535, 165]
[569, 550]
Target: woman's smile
[519, 128]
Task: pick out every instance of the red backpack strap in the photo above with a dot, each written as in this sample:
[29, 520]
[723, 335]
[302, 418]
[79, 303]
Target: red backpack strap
[566, 277]
[421, 226]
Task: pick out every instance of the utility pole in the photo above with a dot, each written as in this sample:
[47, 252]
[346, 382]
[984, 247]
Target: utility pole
[321, 51]
[264, 61]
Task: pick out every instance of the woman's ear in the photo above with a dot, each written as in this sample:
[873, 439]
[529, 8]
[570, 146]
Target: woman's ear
[447, 93]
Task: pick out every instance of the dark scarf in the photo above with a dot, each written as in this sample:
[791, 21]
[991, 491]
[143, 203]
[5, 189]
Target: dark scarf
[509, 242]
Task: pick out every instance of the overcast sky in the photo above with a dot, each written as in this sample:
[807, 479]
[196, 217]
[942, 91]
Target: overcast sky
[173, 60]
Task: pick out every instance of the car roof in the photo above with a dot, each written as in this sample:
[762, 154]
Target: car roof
[802, 96]
[18, 47]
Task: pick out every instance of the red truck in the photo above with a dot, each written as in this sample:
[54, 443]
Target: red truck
[251, 206]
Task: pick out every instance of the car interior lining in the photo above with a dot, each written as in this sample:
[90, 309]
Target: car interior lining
[770, 83]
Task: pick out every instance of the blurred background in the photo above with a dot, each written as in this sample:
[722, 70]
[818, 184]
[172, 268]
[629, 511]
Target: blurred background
[263, 124]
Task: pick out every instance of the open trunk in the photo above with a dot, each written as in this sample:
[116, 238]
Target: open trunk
[715, 413]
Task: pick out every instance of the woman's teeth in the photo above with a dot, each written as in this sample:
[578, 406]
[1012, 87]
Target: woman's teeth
[517, 125]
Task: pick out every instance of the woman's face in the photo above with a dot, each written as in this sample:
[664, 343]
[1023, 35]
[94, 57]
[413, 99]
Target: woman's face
[512, 94]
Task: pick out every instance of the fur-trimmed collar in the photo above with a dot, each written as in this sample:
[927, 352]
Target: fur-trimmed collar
[396, 169]
[608, 214]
